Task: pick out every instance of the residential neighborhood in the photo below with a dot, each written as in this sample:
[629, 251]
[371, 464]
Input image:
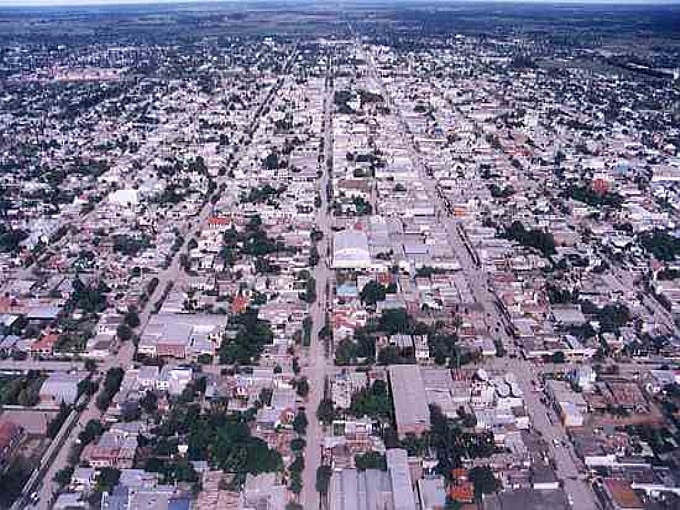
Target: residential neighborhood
[384, 258]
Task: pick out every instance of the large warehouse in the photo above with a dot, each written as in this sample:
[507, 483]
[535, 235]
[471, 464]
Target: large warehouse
[410, 400]
[350, 250]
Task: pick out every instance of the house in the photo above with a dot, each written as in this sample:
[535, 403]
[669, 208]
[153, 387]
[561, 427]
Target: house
[44, 346]
[174, 379]
[115, 449]
[621, 495]
[60, 387]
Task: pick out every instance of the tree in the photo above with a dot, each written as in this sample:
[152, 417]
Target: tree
[374, 402]
[345, 352]
[92, 430]
[558, 357]
[132, 319]
[370, 460]
[372, 293]
[394, 320]
[534, 238]
[124, 332]
[87, 387]
[302, 387]
[298, 444]
[300, 423]
[323, 479]
[55, 425]
[149, 402]
[90, 365]
[63, 476]
[484, 481]
[107, 479]
[114, 376]
[326, 412]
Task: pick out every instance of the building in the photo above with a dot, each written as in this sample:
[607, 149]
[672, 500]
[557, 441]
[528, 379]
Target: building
[410, 400]
[350, 250]
[60, 387]
[432, 493]
[621, 495]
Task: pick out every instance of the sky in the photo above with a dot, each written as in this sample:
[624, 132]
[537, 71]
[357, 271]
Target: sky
[55, 3]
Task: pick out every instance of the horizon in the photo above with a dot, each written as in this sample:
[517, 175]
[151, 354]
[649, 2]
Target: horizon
[33, 4]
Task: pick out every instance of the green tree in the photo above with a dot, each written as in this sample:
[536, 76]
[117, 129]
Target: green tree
[90, 432]
[124, 332]
[63, 476]
[107, 479]
[302, 387]
[370, 460]
[132, 319]
[372, 293]
[326, 412]
[558, 357]
[298, 444]
[484, 481]
[323, 479]
[300, 423]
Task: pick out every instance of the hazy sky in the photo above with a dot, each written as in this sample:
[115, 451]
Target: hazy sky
[32, 3]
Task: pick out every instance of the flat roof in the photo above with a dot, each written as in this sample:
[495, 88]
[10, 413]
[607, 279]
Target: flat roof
[410, 399]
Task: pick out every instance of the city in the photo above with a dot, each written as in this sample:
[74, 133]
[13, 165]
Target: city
[296, 256]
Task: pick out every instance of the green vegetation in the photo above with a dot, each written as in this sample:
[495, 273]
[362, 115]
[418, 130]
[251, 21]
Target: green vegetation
[326, 411]
[611, 317]
[663, 246]
[302, 387]
[10, 239]
[374, 402]
[362, 206]
[263, 194]
[88, 298]
[295, 471]
[21, 390]
[452, 443]
[90, 432]
[589, 196]
[132, 319]
[63, 476]
[114, 376]
[323, 479]
[484, 481]
[251, 336]
[393, 355]
[55, 424]
[498, 192]
[307, 324]
[107, 479]
[370, 460]
[300, 423]
[372, 293]
[129, 245]
[172, 471]
[13, 479]
[225, 442]
[534, 238]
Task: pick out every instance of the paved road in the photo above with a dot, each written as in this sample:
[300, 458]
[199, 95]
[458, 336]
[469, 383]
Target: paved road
[579, 492]
[316, 369]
